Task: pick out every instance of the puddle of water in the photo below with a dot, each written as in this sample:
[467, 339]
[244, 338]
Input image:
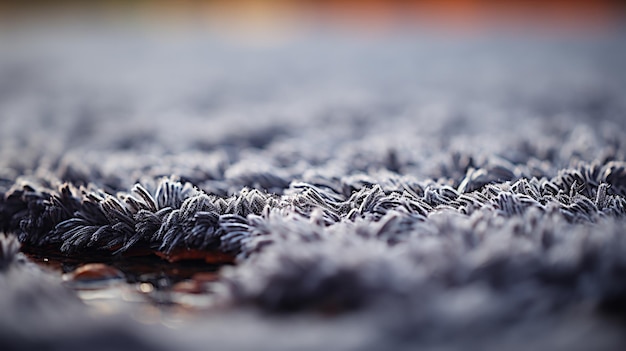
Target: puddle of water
[148, 283]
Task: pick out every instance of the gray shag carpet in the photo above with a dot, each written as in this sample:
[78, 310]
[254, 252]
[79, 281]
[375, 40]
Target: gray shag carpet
[412, 192]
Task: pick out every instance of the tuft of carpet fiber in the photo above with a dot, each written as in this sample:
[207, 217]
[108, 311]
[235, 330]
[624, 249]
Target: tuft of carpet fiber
[397, 194]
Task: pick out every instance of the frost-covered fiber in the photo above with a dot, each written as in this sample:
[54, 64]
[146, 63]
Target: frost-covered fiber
[414, 192]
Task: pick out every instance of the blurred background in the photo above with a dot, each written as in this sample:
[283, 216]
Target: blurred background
[371, 15]
[85, 87]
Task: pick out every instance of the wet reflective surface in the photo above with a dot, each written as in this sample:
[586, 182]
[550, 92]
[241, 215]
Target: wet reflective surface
[155, 288]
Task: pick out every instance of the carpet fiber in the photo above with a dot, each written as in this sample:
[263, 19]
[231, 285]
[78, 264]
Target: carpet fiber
[366, 194]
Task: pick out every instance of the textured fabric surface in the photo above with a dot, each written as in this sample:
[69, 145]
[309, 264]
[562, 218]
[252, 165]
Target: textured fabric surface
[416, 192]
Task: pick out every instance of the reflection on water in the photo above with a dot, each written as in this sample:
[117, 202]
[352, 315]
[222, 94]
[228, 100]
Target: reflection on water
[154, 290]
